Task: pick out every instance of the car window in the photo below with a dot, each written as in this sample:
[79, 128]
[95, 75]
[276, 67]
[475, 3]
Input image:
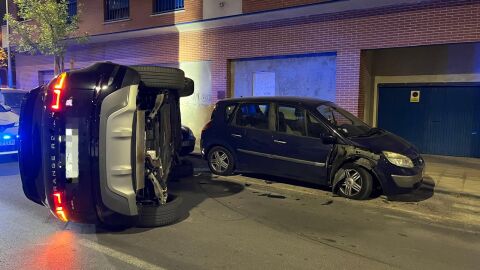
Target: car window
[334, 117]
[315, 128]
[229, 109]
[343, 121]
[253, 116]
[291, 120]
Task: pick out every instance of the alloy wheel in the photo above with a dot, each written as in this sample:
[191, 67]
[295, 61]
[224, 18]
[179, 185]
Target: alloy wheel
[219, 161]
[352, 184]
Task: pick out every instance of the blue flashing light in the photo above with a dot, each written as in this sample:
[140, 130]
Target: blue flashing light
[7, 137]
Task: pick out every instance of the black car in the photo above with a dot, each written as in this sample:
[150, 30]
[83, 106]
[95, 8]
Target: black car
[98, 144]
[188, 141]
[310, 140]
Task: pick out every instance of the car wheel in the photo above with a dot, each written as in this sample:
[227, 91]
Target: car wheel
[154, 215]
[221, 161]
[356, 183]
[161, 77]
[188, 89]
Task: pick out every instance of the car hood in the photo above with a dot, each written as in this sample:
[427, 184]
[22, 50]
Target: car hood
[8, 118]
[386, 141]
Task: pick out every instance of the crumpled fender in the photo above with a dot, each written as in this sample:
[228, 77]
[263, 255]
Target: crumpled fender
[350, 154]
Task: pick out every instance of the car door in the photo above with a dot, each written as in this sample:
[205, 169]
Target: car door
[299, 151]
[251, 133]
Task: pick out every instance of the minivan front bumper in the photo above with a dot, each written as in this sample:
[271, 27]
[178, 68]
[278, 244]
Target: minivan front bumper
[397, 180]
[407, 181]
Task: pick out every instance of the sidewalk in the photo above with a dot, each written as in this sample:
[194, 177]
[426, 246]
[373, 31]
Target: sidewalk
[453, 175]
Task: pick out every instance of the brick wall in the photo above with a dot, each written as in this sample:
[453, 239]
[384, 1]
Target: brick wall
[92, 16]
[347, 34]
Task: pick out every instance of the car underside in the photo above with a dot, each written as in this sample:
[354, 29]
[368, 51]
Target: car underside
[98, 145]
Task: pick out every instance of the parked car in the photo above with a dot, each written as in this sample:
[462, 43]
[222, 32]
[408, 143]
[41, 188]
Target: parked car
[12, 97]
[98, 144]
[310, 140]
[8, 131]
[188, 141]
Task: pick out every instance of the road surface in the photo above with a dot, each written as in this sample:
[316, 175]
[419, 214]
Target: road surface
[240, 223]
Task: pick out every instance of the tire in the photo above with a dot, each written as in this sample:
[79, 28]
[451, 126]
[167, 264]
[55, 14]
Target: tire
[188, 89]
[161, 77]
[160, 215]
[214, 154]
[355, 174]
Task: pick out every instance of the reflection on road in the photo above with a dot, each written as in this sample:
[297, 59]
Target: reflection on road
[56, 252]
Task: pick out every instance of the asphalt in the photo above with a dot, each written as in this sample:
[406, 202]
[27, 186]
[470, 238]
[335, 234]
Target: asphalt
[241, 222]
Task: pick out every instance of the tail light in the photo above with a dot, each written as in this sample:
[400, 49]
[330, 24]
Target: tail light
[58, 89]
[59, 206]
[207, 126]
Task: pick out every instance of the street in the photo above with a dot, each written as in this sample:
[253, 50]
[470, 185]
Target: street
[246, 223]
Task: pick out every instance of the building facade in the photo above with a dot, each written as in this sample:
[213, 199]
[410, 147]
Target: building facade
[352, 52]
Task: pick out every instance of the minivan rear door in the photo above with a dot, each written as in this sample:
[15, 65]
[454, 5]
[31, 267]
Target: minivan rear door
[299, 151]
[251, 133]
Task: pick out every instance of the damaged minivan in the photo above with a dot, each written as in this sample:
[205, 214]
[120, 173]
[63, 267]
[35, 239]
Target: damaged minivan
[309, 140]
[99, 144]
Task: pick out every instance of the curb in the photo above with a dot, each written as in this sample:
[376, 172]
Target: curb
[449, 192]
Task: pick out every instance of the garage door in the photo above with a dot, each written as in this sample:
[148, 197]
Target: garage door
[439, 120]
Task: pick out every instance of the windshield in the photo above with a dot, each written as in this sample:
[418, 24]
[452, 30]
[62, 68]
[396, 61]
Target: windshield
[346, 123]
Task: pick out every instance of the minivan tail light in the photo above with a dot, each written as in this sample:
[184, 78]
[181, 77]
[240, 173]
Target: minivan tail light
[58, 88]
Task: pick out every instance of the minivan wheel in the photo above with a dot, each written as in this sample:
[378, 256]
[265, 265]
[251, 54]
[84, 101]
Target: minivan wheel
[356, 183]
[221, 161]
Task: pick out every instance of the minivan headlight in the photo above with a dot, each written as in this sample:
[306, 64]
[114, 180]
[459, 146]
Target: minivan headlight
[398, 159]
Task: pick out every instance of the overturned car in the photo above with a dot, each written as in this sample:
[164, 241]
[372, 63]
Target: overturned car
[99, 144]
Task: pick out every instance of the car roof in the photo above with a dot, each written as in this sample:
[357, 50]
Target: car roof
[311, 102]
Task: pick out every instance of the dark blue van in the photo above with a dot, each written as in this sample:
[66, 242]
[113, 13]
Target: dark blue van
[309, 140]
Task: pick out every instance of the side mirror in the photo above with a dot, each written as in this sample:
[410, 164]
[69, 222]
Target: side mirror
[329, 139]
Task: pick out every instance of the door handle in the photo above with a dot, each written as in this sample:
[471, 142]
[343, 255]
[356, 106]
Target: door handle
[237, 135]
[280, 142]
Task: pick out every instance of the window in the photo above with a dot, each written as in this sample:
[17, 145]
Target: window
[72, 8]
[229, 109]
[161, 6]
[343, 121]
[253, 116]
[116, 9]
[315, 128]
[291, 120]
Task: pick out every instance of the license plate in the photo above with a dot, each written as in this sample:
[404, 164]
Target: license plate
[7, 142]
[71, 153]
